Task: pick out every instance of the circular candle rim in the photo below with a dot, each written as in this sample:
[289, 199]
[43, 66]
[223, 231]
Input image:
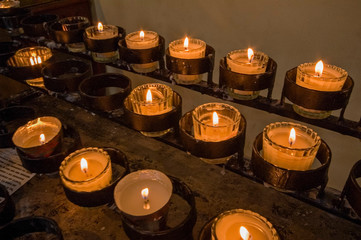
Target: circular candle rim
[246, 212]
[154, 34]
[256, 53]
[32, 122]
[78, 152]
[317, 141]
[94, 29]
[173, 44]
[77, 20]
[236, 122]
[301, 69]
[147, 86]
[23, 55]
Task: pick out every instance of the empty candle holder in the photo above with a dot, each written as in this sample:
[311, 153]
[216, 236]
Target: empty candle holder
[102, 41]
[91, 183]
[10, 19]
[352, 189]
[69, 31]
[245, 82]
[8, 49]
[105, 92]
[38, 25]
[188, 63]
[143, 50]
[11, 119]
[7, 206]
[213, 142]
[70, 142]
[313, 102]
[153, 109]
[65, 76]
[292, 180]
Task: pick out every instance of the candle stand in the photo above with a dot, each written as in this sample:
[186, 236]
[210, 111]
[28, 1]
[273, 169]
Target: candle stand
[7, 206]
[12, 118]
[315, 100]
[120, 168]
[11, 19]
[248, 82]
[292, 180]
[182, 231]
[65, 76]
[154, 125]
[211, 151]
[94, 93]
[8, 49]
[38, 25]
[69, 143]
[142, 56]
[193, 66]
[352, 189]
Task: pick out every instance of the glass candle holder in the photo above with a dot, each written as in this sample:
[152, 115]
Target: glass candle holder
[73, 24]
[38, 137]
[143, 40]
[293, 151]
[331, 79]
[187, 49]
[246, 62]
[9, 4]
[228, 226]
[86, 170]
[152, 99]
[32, 56]
[103, 32]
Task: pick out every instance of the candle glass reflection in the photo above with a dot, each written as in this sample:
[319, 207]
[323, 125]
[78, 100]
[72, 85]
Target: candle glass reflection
[9, 4]
[143, 40]
[249, 62]
[296, 154]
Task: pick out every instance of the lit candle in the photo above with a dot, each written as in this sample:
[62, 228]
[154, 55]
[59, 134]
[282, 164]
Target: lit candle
[290, 145]
[143, 40]
[9, 4]
[246, 61]
[187, 49]
[214, 122]
[86, 170]
[244, 225]
[32, 56]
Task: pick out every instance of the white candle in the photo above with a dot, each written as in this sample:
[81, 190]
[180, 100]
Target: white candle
[101, 32]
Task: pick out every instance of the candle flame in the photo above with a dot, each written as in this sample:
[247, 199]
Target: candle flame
[319, 68]
[145, 193]
[292, 137]
[84, 165]
[100, 27]
[32, 61]
[141, 35]
[42, 138]
[149, 96]
[215, 119]
[250, 55]
[39, 59]
[244, 233]
[186, 43]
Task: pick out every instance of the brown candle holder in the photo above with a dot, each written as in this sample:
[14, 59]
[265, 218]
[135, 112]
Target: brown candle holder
[314, 99]
[120, 168]
[352, 189]
[182, 231]
[248, 82]
[154, 123]
[193, 66]
[104, 45]
[74, 34]
[211, 151]
[38, 25]
[7, 206]
[65, 76]
[292, 180]
[93, 91]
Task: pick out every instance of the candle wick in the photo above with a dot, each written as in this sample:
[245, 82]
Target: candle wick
[251, 59]
[291, 142]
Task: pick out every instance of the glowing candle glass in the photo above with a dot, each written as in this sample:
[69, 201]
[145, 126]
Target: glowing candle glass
[86, 170]
[290, 149]
[320, 77]
[143, 40]
[9, 4]
[246, 61]
[187, 49]
[242, 224]
[32, 56]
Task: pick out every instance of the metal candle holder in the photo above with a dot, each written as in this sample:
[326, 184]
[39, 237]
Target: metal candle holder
[105, 195]
[104, 45]
[67, 36]
[93, 89]
[211, 150]
[38, 25]
[11, 20]
[314, 99]
[154, 123]
[293, 180]
[352, 190]
[193, 66]
[180, 232]
[70, 142]
[248, 82]
[65, 76]
[7, 206]
[142, 56]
